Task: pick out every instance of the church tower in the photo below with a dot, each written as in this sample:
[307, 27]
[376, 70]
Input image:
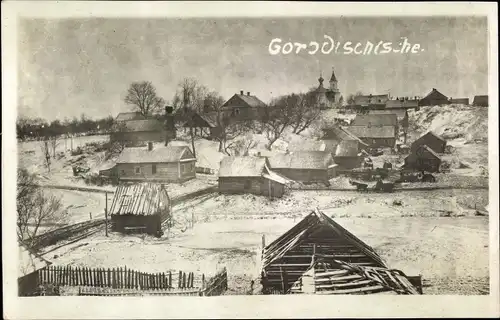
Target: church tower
[334, 90]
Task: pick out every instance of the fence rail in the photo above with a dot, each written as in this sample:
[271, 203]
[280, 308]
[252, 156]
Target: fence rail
[52, 237]
[123, 281]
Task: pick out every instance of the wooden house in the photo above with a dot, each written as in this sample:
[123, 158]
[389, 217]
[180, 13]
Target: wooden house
[371, 101]
[423, 159]
[138, 132]
[340, 133]
[304, 166]
[480, 101]
[401, 115]
[464, 101]
[432, 140]
[241, 107]
[315, 238]
[204, 125]
[347, 155]
[402, 104]
[165, 163]
[434, 98]
[376, 130]
[141, 208]
[250, 175]
[29, 264]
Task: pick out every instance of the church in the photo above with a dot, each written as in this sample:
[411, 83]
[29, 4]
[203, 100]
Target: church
[330, 97]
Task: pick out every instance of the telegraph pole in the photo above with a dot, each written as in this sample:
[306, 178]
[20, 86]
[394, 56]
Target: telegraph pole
[106, 212]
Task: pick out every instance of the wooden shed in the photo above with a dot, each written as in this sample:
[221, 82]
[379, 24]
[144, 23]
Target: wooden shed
[250, 175]
[423, 159]
[434, 98]
[347, 155]
[287, 258]
[140, 208]
[480, 101]
[432, 140]
[163, 164]
[304, 166]
[29, 265]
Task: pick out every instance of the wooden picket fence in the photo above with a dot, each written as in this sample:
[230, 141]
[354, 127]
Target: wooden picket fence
[128, 282]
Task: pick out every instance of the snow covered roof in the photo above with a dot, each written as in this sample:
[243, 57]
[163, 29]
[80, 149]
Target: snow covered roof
[242, 167]
[302, 160]
[139, 199]
[126, 116]
[371, 119]
[142, 125]
[347, 148]
[371, 99]
[164, 154]
[374, 132]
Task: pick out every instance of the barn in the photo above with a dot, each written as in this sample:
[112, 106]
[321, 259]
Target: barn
[204, 125]
[138, 132]
[432, 140]
[480, 101]
[434, 98]
[423, 159]
[29, 265]
[250, 175]
[140, 208]
[165, 163]
[304, 166]
[318, 247]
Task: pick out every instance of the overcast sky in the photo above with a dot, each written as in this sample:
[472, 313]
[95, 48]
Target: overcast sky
[69, 67]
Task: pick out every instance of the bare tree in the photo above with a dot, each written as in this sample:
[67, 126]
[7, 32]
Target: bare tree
[34, 208]
[142, 96]
[351, 99]
[54, 142]
[282, 116]
[44, 145]
[304, 109]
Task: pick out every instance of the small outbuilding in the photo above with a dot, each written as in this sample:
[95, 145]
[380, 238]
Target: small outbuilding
[347, 155]
[432, 140]
[140, 208]
[163, 163]
[250, 175]
[423, 159]
[138, 132]
[305, 166]
[480, 101]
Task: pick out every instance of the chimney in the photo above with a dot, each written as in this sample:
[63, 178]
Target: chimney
[150, 146]
[241, 92]
[248, 93]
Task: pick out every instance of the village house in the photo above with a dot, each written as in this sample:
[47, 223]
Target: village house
[29, 264]
[329, 98]
[371, 101]
[434, 98]
[318, 247]
[423, 159]
[377, 130]
[480, 101]
[339, 133]
[401, 115]
[204, 125]
[432, 140]
[140, 208]
[165, 163]
[250, 175]
[241, 107]
[138, 132]
[347, 155]
[305, 166]
[464, 101]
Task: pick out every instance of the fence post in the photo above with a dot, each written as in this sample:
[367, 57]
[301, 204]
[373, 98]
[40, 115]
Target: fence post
[170, 279]
[183, 279]
[180, 279]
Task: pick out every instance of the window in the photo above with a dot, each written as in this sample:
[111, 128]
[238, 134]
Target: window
[153, 169]
[237, 111]
[137, 170]
[123, 172]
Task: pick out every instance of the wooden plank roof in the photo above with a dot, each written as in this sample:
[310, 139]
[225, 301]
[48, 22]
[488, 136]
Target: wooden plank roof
[340, 277]
[296, 234]
[139, 199]
[163, 154]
